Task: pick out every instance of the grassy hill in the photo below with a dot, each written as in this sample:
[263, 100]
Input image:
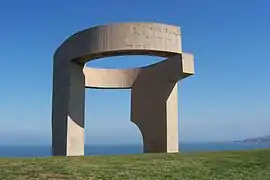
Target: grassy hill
[237, 165]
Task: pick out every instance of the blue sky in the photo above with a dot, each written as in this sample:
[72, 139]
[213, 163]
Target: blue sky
[227, 99]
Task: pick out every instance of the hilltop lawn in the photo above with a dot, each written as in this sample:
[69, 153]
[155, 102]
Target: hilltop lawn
[236, 165]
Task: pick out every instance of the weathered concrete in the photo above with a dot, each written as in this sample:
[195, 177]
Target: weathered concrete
[154, 102]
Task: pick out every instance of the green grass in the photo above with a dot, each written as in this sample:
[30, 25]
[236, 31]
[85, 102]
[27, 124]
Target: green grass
[238, 165]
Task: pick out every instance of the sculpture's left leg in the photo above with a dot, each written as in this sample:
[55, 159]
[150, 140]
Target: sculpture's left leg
[68, 109]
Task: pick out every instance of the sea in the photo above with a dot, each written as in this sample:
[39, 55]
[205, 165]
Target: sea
[93, 150]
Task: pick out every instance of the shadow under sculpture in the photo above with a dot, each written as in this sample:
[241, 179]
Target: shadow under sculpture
[154, 101]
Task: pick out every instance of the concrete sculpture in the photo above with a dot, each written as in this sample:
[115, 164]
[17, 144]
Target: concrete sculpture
[154, 101]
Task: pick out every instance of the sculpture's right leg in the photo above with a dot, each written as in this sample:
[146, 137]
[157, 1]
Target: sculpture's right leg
[154, 105]
[68, 109]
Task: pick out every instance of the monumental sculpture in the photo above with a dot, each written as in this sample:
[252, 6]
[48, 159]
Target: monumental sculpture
[154, 94]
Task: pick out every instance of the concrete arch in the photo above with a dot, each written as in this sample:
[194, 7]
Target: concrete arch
[154, 87]
[125, 78]
[137, 38]
[110, 78]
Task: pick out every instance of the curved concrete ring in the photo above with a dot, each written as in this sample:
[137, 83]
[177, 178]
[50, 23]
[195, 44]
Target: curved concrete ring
[152, 39]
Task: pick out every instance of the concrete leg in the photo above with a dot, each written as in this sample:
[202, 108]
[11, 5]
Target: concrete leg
[154, 105]
[68, 110]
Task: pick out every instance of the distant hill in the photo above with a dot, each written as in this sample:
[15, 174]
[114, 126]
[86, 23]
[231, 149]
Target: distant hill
[263, 139]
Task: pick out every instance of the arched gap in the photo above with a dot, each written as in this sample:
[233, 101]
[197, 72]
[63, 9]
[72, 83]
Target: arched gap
[123, 62]
[108, 129]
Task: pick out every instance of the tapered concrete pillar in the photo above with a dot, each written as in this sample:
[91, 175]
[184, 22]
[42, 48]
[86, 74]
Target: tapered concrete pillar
[154, 105]
[68, 109]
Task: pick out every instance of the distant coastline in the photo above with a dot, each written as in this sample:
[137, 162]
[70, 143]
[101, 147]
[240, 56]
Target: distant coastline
[262, 139]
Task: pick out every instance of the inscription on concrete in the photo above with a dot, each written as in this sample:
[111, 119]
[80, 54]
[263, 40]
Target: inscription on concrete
[141, 35]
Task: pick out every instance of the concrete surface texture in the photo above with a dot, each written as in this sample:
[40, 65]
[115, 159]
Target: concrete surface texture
[154, 101]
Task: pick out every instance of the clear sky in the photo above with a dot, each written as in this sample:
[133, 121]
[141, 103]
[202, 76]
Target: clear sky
[227, 99]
